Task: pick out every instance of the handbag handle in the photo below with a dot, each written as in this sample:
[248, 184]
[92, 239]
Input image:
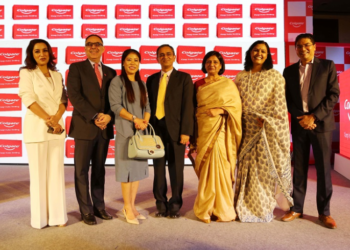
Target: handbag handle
[152, 133]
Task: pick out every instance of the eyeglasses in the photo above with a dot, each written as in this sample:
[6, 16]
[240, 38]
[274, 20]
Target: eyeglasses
[92, 44]
[169, 54]
[308, 45]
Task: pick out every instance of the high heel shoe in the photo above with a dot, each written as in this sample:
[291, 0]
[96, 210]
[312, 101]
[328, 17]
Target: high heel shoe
[140, 217]
[133, 221]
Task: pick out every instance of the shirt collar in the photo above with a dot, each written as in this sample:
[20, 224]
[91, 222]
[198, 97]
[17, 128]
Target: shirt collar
[92, 63]
[168, 72]
[312, 61]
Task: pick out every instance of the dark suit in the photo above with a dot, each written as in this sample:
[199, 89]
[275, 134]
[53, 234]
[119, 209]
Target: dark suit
[91, 143]
[178, 120]
[323, 94]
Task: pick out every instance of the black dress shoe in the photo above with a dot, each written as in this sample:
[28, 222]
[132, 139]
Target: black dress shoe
[161, 214]
[103, 214]
[174, 215]
[89, 219]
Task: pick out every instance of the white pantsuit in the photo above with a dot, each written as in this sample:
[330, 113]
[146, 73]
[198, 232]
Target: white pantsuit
[45, 150]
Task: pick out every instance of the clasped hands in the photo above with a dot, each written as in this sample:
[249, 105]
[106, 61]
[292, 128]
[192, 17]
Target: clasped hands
[52, 121]
[307, 122]
[140, 123]
[102, 120]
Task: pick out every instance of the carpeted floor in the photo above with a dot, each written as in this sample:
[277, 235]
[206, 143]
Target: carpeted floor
[164, 233]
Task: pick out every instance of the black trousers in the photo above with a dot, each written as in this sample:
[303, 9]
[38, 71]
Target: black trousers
[95, 151]
[174, 155]
[322, 149]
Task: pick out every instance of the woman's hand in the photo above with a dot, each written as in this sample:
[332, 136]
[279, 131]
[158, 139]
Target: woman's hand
[215, 112]
[260, 122]
[52, 120]
[57, 129]
[140, 123]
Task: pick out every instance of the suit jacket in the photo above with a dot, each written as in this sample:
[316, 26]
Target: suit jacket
[178, 104]
[88, 98]
[322, 96]
[34, 87]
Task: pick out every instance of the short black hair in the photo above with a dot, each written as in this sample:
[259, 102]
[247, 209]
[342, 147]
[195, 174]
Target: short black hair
[248, 64]
[93, 35]
[165, 45]
[219, 56]
[304, 35]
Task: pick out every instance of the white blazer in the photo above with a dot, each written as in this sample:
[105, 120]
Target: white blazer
[35, 87]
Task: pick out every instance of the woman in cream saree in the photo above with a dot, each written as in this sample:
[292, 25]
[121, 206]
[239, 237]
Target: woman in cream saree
[219, 136]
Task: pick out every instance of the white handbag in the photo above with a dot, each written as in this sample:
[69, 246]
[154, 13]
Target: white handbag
[145, 146]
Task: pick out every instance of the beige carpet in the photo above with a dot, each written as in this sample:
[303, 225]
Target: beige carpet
[164, 233]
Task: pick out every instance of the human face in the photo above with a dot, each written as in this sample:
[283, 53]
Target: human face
[305, 50]
[131, 64]
[41, 54]
[166, 58]
[258, 55]
[95, 51]
[213, 66]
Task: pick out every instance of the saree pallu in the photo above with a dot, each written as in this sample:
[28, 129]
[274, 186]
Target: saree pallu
[264, 171]
[218, 140]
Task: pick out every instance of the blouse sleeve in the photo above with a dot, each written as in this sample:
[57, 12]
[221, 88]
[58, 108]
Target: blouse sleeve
[115, 95]
[148, 109]
[26, 89]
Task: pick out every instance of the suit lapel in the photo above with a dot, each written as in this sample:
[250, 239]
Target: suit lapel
[156, 86]
[314, 74]
[296, 84]
[172, 82]
[90, 73]
[44, 81]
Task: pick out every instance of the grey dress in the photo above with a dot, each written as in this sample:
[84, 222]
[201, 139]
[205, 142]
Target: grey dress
[126, 169]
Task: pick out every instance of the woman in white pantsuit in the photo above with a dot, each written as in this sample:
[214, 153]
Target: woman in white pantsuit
[43, 93]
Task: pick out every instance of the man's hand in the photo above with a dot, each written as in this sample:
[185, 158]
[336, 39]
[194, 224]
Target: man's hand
[184, 139]
[307, 122]
[102, 120]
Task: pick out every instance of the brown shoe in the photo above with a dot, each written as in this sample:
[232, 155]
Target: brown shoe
[328, 221]
[291, 215]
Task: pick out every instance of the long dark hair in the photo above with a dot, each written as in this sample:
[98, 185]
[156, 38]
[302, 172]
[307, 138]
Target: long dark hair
[129, 90]
[30, 62]
[248, 64]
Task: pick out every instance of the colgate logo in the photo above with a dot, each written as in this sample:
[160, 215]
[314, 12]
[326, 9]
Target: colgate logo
[72, 146]
[346, 104]
[296, 24]
[319, 53]
[9, 78]
[129, 11]
[310, 7]
[9, 147]
[272, 54]
[162, 11]
[78, 53]
[27, 31]
[146, 75]
[347, 53]
[95, 11]
[192, 53]
[9, 55]
[264, 29]
[229, 54]
[196, 11]
[9, 101]
[196, 77]
[129, 30]
[115, 53]
[9, 124]
[231, 76]
[61, 31]
[95, 30]
[111, 147]
[61, 11]
[26, 11]
[151, 53]
[163, 30]
[339, 72]
[196, 30]
[227, 29]
[229, 10]
[264, 10]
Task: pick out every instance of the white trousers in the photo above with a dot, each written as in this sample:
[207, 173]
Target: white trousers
[47, 186]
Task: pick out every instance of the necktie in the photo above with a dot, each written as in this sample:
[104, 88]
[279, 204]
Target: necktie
[160, 113]
[98, 74]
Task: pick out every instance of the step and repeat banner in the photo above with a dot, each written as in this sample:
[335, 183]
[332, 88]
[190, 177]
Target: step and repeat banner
[192, 27]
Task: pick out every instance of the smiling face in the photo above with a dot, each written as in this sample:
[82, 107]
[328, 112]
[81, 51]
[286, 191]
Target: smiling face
[258, 55]
[305, 50]
[94, 52]
[131, 64]
[213, 66]
[41, 54]
[166, 58]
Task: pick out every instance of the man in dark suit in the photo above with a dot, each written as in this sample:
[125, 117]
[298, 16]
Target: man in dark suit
[87, 87]
[170, 94]
[312, 90]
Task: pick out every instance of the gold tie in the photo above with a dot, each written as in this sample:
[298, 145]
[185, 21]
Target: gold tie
[160, 113]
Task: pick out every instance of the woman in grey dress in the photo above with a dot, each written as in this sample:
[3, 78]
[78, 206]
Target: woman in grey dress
[129, 102]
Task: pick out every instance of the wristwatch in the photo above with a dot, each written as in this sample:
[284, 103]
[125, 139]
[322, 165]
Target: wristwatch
[133, 118]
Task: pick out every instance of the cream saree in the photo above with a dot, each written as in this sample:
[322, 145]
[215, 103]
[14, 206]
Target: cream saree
[264, 170]
[218, 140]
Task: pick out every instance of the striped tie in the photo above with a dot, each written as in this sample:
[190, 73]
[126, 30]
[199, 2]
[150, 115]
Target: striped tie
[160, 113]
